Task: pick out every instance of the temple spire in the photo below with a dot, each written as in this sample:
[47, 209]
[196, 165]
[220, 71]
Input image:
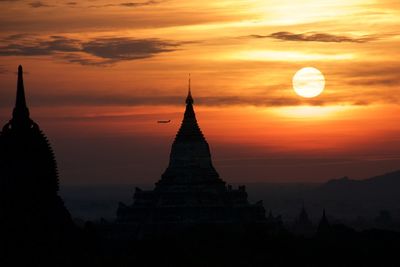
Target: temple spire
[189, 128]
[190, 158]
[189, 98]
[323, 226]
[20, 100]
[21, 111]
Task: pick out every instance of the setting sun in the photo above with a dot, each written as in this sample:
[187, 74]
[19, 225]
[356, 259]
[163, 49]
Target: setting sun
[308, 82]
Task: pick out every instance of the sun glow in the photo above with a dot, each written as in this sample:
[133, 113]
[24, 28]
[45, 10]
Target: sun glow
[273, 55]
[310, 112]
[308, 82]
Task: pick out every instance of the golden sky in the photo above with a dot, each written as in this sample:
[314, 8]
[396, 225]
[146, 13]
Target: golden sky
[99, 74]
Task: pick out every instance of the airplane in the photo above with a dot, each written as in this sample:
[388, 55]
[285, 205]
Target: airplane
[168, 121]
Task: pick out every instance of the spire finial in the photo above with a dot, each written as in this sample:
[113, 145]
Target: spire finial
[20, 101]
[189, 99]
[20, 112]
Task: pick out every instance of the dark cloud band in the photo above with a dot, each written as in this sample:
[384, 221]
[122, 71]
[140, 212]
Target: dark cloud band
[129, 4]
[99, 51]
[315, 37]
[132, 100]
[39, 4]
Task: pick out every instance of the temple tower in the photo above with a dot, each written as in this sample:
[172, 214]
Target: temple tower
[29, 185]
[190, 190]
[190, 161]
[303, 225]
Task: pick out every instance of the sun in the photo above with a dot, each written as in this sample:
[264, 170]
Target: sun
[308, 82]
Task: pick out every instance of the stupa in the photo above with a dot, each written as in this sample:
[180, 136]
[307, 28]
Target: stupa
[190, 190]
[30, 206]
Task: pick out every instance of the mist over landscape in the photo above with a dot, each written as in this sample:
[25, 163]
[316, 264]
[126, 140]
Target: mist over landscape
[358, 202]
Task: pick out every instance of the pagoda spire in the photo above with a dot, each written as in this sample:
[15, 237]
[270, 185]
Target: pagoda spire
[21, 111]
[190, 158]
[324, 225]
[189, 129]
[189, 98]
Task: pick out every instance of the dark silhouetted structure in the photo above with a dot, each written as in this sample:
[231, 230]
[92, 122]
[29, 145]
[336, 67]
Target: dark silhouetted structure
[190, 190]
[324, 227]
[303, 225]
[30, 207]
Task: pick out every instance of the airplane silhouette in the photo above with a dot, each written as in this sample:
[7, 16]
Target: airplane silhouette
[168, 121]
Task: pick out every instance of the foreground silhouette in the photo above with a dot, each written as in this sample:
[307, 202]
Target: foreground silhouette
[33, 218]
[37, 230]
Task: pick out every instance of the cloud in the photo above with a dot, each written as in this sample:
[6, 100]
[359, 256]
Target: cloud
[38, 4]
[39, 47]
[98, 51]
[129, 4]
[107, 99]
[315, 37]
[132, 4]
[126, 48]
[374, 75]
[376, 81]
[85, 60]
[17, 36]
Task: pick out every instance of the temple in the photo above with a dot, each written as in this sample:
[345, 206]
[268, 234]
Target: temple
[190, 190]
[29, 203]
[324, 226]
[303, 225]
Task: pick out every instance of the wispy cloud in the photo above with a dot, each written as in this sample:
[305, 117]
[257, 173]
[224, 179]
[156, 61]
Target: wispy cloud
[17, 36]
[173, 100]
[129, 4]
[316, 37]
[137, 4]
[39, 47]
[98, 51]
[384, 74]
[126, 48]
[39, 4]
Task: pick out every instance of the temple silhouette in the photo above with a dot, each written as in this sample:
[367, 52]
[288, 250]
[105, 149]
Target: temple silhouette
[303, 225]
[190, 190]
[220, 226]
[30, 207]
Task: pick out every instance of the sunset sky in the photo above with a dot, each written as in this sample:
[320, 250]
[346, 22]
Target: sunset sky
[99, 74]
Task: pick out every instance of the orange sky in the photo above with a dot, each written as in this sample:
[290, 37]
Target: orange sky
[99, 74]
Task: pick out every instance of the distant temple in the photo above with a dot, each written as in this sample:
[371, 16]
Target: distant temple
[324, 227]
[29, 203]
[303, 225]
[190, 190]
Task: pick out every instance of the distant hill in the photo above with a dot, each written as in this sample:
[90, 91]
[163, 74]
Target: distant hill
[386, 186]
[360, 197]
